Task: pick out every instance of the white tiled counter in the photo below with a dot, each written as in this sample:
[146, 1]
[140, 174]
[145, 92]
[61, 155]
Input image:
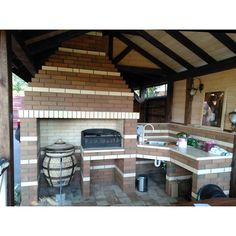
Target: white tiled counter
[205, 167]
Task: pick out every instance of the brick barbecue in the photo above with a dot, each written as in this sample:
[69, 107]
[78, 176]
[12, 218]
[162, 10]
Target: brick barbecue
[78, 88]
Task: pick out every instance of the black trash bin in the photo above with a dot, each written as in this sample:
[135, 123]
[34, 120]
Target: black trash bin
[142, 183]
[210, 191]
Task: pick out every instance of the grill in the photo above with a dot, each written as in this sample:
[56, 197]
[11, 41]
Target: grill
[59, 164]
[100, 138]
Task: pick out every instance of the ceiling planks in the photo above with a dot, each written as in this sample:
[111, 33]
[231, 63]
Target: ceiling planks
[206, 52]
[165, 68]
[190, 45]
[226, 40]
[165, 49]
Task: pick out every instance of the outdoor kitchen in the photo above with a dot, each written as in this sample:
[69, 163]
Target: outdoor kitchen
[91, 136]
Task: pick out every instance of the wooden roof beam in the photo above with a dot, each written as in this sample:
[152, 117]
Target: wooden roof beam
[22, 53]
[226, 64]
[191, 46]
[165, 49]
[140, 70]
[44, 36]
[166, 69]
[226, 40]
[54, 41]
[121, 55]
[29, 34]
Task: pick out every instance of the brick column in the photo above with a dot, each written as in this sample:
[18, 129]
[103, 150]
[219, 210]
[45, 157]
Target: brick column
[126, 168]
[85, 175]
[125, 174]
[174, 175]
[29, 162]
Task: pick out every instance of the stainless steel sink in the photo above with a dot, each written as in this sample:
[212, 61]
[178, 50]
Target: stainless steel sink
[156, 143]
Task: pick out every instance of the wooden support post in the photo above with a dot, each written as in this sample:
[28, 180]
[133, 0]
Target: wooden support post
[232, 191]
[169, 101]
[188, 102]
[6, 114]
[143, 109]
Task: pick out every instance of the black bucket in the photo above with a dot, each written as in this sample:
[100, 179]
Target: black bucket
[142, 183]
[210, 191]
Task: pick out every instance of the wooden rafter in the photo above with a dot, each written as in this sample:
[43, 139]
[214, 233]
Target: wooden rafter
[29, 34]
[22, 53]
[44, 36]
[54, 41]
[191, 46]
[165, 49]
[144, 53]
[226, 40]
[121, 55]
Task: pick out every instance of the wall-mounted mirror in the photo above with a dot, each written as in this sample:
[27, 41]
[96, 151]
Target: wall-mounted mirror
[212, 109]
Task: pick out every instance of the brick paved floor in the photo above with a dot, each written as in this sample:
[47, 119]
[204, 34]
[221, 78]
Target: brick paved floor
[106, 195]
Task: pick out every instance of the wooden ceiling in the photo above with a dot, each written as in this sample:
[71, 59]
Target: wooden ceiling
[144, 57]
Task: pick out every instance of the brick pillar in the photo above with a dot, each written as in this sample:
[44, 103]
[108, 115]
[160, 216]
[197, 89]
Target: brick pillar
[174, 175]
[29, 162]
[125, 174]
[126, 168]
[85, 175]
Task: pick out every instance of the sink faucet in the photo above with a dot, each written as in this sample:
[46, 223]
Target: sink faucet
[144, 130]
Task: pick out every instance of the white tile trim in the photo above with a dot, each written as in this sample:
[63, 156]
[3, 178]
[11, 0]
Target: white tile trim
[29, 184]
[107, 150]
[85, 179]
[201, 172]
[174, 178]
[28, 162]
[125, 175]
[79, 91]
[130, 136]
[76, 114]
[80, 51]
[28, 138]
[102, 167]
[83, 71]
[144, 162]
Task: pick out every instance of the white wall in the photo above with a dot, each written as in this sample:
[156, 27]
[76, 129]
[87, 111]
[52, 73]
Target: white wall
[70, 129]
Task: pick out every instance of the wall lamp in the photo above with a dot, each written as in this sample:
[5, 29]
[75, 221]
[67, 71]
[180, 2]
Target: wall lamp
[200, 87]
[232, 118]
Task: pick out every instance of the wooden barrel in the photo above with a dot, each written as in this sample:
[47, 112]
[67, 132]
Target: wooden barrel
[59, 164]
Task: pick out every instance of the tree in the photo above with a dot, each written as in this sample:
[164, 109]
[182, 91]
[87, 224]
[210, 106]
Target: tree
[18, 85]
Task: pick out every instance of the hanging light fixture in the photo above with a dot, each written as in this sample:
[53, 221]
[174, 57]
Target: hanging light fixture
[232, 118]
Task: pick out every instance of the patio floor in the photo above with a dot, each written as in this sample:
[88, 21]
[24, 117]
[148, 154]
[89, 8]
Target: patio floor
[106, 195]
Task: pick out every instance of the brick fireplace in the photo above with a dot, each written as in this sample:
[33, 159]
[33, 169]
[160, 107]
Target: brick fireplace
[78, 88]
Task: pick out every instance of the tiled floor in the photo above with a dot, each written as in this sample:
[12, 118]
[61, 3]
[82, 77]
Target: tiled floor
[106, 195]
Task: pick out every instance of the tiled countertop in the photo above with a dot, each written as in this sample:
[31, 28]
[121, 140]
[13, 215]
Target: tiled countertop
[190, 152]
